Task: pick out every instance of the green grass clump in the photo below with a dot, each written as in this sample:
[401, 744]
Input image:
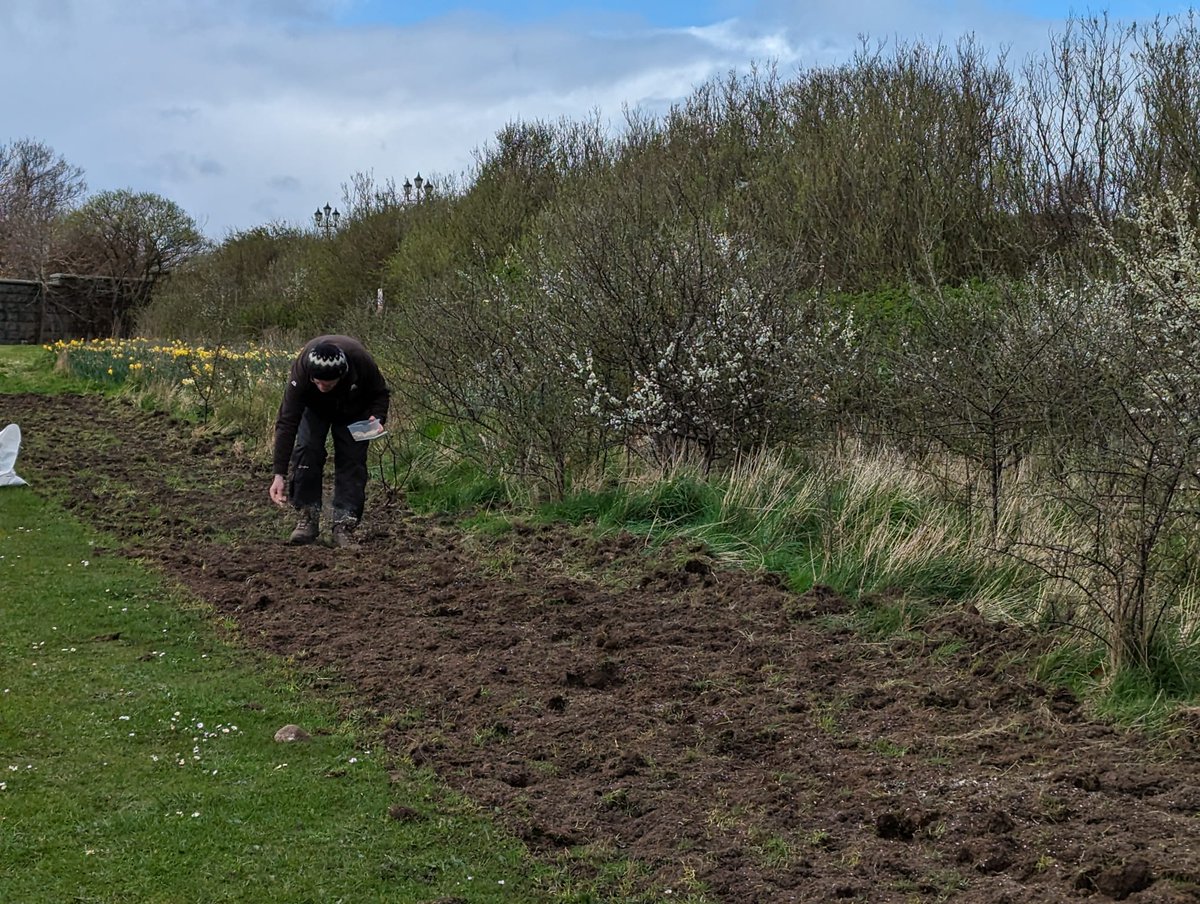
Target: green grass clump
[460, 488]
[30, 368]
[1145, 695]
[857, 527]
[137, 759]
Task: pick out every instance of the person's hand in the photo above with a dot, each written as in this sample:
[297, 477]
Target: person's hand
[278, 491]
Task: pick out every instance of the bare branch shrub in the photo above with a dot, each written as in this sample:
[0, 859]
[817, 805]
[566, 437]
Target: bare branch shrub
[476, 357]
[135, 238]
[974, 376]
[1079, 104]
[1166, 136]
[473, 341]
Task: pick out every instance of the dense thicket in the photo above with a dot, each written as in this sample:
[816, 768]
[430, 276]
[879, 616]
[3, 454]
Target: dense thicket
[908, 165]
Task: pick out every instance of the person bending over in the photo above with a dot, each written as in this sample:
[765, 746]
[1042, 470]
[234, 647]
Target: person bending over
[333, 382]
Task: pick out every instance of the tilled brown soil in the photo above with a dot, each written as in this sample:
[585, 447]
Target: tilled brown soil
[602, 698]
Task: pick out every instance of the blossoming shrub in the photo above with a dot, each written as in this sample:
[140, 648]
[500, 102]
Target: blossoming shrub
[1140, 488]
[686, 346]
[1099, 393]
[709, 358]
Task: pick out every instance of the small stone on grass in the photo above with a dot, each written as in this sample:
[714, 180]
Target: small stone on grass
[291, 733]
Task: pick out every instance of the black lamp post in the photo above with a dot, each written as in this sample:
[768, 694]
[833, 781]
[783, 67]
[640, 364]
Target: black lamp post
[326, 218]
[422, 189]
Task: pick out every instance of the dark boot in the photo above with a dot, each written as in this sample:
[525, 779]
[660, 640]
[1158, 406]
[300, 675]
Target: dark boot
[308, 527]
[343, 531]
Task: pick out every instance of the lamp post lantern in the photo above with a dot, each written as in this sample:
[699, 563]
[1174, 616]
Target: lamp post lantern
[326, 218]
[422, 189]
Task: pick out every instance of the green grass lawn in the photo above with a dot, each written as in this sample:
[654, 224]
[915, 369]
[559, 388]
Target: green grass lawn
[138, 761]
[27, 368]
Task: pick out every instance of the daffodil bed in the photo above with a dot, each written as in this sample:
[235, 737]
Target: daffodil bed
[194, 368]
[736, 741]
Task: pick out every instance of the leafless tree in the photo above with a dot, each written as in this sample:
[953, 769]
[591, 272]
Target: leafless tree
[1079, 104]
[1166, 137]
[37, 189]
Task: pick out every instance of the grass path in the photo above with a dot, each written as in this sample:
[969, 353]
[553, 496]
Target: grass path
[137, 759]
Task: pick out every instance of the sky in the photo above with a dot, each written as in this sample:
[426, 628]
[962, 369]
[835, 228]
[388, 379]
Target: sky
[249, 112]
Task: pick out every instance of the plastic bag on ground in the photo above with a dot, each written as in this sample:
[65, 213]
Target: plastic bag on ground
[10, 444]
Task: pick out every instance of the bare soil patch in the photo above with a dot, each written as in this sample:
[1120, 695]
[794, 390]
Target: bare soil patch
[601, 697]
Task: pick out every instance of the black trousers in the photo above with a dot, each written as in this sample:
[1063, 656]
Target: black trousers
[308, 466]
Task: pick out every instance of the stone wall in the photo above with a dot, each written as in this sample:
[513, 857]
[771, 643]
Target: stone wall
[20, 311]
[72, 307]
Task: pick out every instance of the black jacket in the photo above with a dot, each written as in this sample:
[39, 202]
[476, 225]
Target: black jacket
[362, 392]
